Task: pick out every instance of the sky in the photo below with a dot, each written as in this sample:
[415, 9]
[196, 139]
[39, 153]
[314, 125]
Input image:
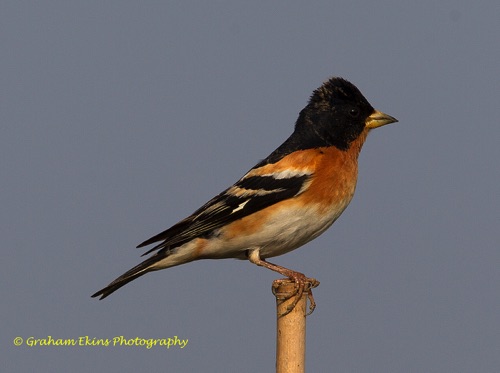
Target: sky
[120, 118]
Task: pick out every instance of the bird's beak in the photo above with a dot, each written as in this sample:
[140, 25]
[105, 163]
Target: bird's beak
[379, 119]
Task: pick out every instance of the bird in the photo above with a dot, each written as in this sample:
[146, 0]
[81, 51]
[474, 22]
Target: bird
[284, 201]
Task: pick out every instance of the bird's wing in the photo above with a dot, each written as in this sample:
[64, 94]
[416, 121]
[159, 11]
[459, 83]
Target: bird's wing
[253, 192]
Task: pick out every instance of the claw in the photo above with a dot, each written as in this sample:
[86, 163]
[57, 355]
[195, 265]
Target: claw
[300, 281]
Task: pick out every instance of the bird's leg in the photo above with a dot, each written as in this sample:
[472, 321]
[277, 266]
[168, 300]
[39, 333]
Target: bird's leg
[299, 278]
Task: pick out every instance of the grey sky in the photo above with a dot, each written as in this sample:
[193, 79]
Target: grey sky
[120, 118]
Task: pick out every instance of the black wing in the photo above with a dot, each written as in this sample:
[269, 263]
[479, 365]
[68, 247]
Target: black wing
[248, 195]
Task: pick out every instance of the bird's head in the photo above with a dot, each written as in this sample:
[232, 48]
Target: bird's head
[337, 114]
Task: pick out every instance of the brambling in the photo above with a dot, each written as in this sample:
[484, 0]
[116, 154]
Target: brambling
[285, 201]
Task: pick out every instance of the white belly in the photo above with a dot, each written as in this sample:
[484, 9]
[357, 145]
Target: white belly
[290, 231]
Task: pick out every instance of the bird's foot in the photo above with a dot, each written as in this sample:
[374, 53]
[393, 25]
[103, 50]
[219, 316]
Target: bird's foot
[302, 284]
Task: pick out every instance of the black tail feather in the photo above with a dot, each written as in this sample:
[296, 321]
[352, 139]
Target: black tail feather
[130, 275]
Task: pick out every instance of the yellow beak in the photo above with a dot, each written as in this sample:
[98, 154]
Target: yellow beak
[379, 119]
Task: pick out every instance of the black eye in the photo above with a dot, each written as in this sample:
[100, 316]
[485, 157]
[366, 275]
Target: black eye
[354, 112]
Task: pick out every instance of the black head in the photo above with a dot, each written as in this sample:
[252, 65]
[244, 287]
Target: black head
[335, 115]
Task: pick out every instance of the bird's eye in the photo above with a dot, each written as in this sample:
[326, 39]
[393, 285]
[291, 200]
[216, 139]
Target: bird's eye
[354, 112]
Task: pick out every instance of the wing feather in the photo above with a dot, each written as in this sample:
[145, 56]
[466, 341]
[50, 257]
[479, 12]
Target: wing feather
[248, 195]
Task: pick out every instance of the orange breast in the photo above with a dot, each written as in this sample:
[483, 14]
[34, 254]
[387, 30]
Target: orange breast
[333, 181]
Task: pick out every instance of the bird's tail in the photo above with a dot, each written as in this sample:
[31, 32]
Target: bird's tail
[146, 266]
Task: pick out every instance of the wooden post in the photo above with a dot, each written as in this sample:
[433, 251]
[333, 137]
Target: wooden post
[291, 327]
